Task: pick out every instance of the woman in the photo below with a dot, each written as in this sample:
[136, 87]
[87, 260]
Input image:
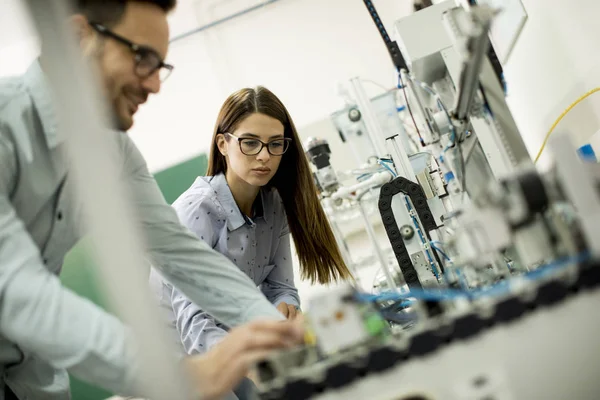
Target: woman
[258, 189]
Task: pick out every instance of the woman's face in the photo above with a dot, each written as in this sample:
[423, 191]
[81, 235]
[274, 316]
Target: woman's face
[256, 170]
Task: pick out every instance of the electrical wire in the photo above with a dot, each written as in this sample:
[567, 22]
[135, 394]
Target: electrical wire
[560, 117]
[436, 96]
[377, 84]
[422, 237]
[367, 175]
[441, 106]
[423, 85]
[462, 280]
[383, 163]
[401, 86]
[500, 288]
[454, 139]
[442, 253]
[398, 304]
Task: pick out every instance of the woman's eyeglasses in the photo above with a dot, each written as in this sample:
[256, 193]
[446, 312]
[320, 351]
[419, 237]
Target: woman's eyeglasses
[147, 60]
[252, 146]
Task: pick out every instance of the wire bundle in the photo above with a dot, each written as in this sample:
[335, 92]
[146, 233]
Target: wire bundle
[501, 288]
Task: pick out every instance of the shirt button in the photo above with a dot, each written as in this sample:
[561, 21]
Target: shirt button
[59, 215]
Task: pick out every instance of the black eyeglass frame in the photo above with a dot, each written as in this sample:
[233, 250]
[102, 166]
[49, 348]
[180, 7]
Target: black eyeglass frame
[140, 52]
[262, 144]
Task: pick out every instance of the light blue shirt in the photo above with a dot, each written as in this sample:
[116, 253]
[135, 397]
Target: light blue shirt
[47, 330]
[260, 247]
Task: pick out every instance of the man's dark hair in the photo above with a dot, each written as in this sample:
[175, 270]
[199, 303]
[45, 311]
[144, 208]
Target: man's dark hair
[110, 12]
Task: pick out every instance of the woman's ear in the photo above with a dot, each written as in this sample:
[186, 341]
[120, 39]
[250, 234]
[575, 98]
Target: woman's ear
[222, 144]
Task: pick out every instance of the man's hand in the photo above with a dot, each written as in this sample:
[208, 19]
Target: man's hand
[219, 371]
[288, 310]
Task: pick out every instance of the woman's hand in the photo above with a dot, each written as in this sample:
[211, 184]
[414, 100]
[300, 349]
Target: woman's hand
[219, 371]
[288, 310]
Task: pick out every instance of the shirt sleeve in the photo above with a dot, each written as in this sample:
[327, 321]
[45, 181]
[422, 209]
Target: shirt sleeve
[279, 286]
[207, 278]
[198, 330]
[44, 318]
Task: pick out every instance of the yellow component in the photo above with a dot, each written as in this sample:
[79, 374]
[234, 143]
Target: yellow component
[560, 117]
[310, 339]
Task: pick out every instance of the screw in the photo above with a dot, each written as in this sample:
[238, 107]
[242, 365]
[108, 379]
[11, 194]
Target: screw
[407, 232]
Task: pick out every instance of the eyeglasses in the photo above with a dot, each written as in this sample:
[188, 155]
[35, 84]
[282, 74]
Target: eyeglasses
[252, 147]
[147, 60]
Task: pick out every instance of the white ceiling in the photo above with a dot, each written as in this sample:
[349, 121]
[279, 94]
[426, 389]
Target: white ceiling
[191, 14]
[15, 24]
[18, 41]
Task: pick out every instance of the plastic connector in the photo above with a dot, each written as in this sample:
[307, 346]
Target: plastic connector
[586, 152]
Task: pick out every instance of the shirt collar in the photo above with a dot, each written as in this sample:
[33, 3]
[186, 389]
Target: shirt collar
[235, 218]
[38, 88]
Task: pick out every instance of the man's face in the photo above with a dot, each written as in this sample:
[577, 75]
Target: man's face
[145, 25]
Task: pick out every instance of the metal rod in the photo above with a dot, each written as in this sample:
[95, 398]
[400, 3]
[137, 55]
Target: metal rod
[401, 160]
[378, 252]
[374, 130]
[343, 246]
[92, 153]
[416, 100]
[578, 184]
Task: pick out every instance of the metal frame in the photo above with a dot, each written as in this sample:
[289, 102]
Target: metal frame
[372, 124]
[431, 54]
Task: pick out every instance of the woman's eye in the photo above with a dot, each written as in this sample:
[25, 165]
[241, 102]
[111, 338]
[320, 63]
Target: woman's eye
[251, 143]
[276, 144]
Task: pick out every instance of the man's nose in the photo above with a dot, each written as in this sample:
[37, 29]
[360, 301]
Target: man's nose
[152, 83]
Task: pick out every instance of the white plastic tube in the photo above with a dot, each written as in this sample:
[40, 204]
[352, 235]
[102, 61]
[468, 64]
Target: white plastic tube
[347, 192]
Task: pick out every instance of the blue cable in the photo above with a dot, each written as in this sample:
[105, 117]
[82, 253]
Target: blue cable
[423, 241]
[461, 280]
[451, 294]
[433, 246]
[459, 275]
[384, 165]
[368, 174]
[396, 305]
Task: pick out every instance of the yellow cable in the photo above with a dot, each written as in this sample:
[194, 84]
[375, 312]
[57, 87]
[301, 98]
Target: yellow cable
[579, 100]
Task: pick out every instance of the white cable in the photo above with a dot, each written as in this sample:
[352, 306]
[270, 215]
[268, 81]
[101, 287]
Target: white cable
[378, 179]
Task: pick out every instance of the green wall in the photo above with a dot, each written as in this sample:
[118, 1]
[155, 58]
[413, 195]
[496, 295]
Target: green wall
[78, 269]
[175, 180]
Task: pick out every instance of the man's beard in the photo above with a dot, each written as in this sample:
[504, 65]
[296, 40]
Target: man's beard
[96, 53]
[116, 122]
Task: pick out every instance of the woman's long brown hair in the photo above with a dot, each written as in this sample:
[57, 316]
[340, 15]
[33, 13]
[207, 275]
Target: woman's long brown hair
[319, 255]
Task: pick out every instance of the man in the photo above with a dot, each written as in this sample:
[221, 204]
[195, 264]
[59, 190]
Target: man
[46, 330]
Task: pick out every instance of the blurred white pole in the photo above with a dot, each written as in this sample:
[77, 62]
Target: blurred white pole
[110, 216]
